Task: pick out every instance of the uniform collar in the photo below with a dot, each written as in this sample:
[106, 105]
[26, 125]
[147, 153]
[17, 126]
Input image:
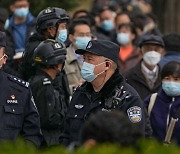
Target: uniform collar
[40, 72]
[115, 80]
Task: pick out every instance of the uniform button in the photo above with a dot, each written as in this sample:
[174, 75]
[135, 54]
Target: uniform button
[75, 115]
[49, 104]
[99, 102]
[13, 110]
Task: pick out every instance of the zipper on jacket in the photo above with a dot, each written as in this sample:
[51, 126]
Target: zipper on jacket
[168, 116]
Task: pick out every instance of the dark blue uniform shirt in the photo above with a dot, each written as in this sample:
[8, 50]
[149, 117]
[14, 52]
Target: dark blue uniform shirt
[19, 115]
[115, 95]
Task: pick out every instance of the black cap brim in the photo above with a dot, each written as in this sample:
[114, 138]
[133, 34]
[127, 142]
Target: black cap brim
[82, 51]
[152, 42]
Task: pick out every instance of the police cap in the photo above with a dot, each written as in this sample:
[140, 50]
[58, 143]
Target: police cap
[103, 48]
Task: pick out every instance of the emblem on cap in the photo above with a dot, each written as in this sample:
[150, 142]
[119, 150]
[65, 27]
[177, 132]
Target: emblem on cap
[57, 46]
[134, 114]
[89, 45]
[48, 10]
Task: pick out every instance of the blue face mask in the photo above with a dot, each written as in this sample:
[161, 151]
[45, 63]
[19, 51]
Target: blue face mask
[107, 25]
[81, 42]
[171, 88]
[87, 71]
[62, 36]
[123, 38]
[21, 12]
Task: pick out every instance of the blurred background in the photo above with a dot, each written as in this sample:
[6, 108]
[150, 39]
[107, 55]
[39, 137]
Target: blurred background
[167, 12]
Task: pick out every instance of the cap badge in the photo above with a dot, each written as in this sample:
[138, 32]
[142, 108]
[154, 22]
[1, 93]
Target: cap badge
[89, 45]
[57, 45]
[48, 10]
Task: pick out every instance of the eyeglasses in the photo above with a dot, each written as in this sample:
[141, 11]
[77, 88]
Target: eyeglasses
[2, 56]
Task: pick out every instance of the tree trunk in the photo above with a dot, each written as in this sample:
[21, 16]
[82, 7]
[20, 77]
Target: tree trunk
[168, 13]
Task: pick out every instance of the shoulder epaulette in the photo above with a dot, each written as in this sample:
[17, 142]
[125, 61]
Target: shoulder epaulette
[46, 81]
[19, 81]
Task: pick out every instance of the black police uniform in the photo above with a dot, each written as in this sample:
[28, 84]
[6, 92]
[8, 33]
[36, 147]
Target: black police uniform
[19, 115]
[115, 95]
[51, 106]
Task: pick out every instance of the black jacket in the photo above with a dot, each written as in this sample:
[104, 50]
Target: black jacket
[115, 95]
[51, 106]
[137, 80]
[18, 113]
[27, 69]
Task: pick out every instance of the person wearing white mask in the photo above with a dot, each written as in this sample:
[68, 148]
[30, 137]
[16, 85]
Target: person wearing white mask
[79, 35]
[145, 76]
[129, 55]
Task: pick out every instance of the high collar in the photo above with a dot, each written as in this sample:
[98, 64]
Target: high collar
[114, 81]
[41, 72]
[167, 98]
[1, 74]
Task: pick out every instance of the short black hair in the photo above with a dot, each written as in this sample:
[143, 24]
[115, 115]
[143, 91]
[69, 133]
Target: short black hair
[75, 22]
[110, 127]
[104, 9]
[172, 42]
[122, 13]
[128, 25]
[14, 1]
[80, 11]
[171, 68]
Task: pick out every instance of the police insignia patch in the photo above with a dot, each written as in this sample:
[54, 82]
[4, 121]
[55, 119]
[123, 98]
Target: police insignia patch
[134, 114]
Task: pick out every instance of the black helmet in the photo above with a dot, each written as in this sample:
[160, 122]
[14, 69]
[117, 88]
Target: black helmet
[50, 16]
[49, 53]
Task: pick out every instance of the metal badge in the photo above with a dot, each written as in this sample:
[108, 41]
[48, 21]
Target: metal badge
[134, 114]
[12, 100]
[79, 106]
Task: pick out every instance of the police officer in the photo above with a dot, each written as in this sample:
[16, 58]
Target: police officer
[18, 113]
[49, 56]
[103, 90]
[51, 24]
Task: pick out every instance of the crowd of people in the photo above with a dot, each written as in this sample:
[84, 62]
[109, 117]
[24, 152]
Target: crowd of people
[105, 75]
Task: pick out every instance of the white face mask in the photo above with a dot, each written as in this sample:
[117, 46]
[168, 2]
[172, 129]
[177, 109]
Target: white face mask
[152, 58]
[123, 38]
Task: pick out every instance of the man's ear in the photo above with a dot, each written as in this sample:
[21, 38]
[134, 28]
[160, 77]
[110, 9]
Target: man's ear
[71, 38]
[12, 8]
[5, 59]
[108, 65]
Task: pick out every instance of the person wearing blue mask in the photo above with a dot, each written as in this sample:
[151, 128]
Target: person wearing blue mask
[79, 35]
[106, 28]
[162, 106]
[19, 27]
[50, 22]
[104, 90]
[130, 54]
